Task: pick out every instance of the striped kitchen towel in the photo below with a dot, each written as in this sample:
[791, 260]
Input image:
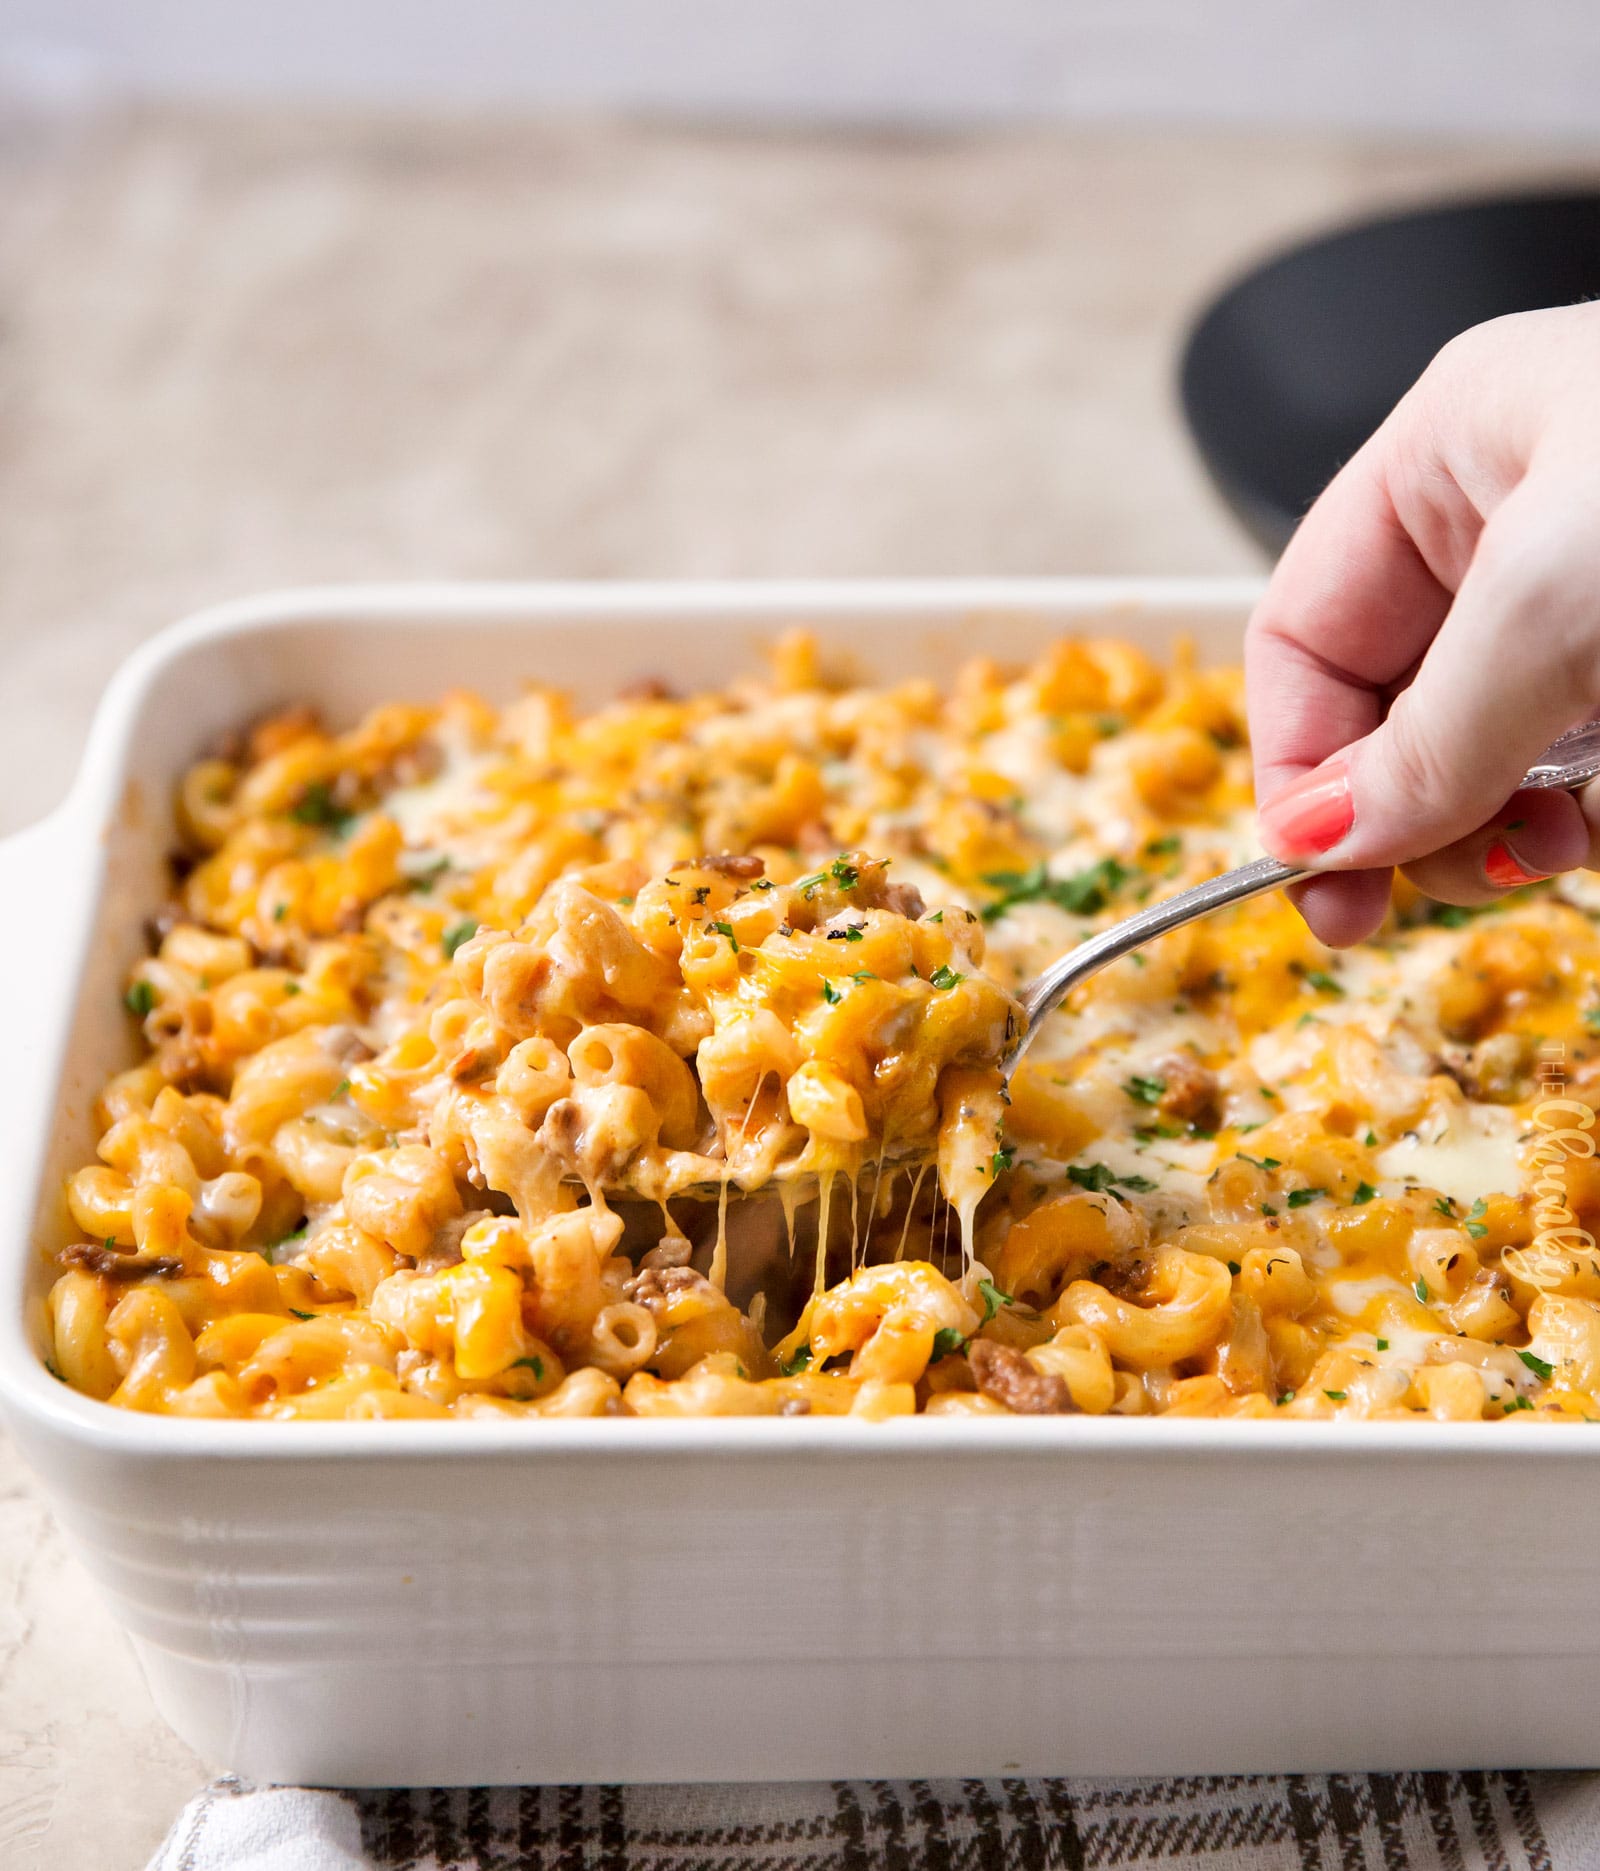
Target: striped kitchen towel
[1268, 1822]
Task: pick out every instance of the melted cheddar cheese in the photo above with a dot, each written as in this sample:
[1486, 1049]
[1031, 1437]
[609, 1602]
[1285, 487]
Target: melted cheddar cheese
[531, 1062]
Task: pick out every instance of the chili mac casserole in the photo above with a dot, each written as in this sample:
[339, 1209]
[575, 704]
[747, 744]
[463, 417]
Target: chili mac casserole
[531, 1062]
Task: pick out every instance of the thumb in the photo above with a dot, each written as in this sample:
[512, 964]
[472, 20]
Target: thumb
[1516, 662]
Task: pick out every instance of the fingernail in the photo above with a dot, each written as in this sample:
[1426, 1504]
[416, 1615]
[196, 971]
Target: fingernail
[1503, 869]
[1313, 814]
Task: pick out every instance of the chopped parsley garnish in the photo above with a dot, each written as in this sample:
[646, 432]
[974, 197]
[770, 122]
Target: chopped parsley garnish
[1371, 1140]
[1095, 1177]
[291, 988]
[993, 1299]
[1363, 1194]
[339, 1090]
[1473, 1224]
[945, 977]
[1286, 1396]
[1324, 982]
[726, 929]
[1084, 893]
[316, 806]
[534, 1364]
[456, 934]
[936, 917]
[1382, 1344]
[945, 1341]
[846, 876]
[279, 911]
[1536, 1364]
[1166, 847]
[1261, 1162]
[1300, 1198]
[1522, 1403]
[271, 1252]
[831, 994]
[1002, 1159]
[797, 1363]
[1098, 1178]
[422, 881]
[1591, 1019]
[863, 974]
[855, 933]
[301, 1315]
[1088, 891]
[1421, 1289]
[1335, 1396]
[1444, 1206]
[1268, 1209]
[1145, 1090]
[139, 999]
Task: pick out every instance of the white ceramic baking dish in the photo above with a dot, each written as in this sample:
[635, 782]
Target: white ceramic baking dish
[433, 1603]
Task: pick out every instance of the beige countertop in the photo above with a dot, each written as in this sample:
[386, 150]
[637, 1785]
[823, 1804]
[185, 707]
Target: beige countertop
[249, 352]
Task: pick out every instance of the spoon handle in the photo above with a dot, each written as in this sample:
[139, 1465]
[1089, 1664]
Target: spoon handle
[1568, 763]
[1122, 938]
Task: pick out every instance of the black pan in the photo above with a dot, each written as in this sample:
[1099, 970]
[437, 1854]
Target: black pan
[1292, 368]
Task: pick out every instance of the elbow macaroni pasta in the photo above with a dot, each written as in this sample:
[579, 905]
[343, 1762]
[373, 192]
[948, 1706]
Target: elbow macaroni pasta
[528, 1063]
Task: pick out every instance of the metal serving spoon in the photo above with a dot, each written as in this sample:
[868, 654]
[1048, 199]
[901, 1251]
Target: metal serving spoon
[1567, 763]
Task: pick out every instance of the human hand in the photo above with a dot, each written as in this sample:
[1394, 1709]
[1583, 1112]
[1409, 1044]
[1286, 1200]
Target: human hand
[1433, 625]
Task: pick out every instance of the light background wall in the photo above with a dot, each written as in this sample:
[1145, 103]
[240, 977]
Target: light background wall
[1502, 67]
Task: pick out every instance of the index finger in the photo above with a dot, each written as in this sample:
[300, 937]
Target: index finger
[1349, 611]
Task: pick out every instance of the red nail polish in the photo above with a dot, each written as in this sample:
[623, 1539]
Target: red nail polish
[1502, 869]
[1313, 814]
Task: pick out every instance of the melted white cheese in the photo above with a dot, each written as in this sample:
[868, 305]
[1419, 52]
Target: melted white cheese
[1352, 1297]
[434, 811]
[1408, 1344]
[1466, 1152]
[1581, 889]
